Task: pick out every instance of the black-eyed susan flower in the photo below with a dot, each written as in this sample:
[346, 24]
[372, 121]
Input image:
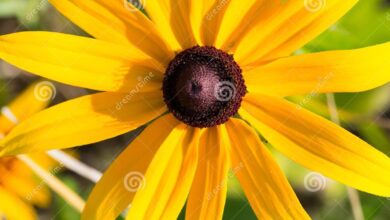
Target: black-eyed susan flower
[20, 188]
[207, 75]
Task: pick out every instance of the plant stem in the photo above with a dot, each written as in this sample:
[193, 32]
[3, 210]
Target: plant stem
[353, 194]
[75, 165]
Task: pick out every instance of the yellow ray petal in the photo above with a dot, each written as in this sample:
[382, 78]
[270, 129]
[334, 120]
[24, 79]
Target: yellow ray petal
[172, 19]
[81, 121]
[263, 182]
[333, 71]
[181, 23]
[14, 208]
[26, 188]
[208, 193]
[329, 14]
[198, 11]
[237, 20]
[159, 12]
[319, 144]
[80, 61]
[180, 192]
[25, 105]
[116, 22]
[168, 177]
[278, 28]
[212, 20]
[115, 191]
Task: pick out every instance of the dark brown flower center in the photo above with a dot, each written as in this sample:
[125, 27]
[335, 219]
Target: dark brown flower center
[203, 86]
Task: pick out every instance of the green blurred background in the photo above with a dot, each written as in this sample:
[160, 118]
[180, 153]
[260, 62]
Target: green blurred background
[365, 114]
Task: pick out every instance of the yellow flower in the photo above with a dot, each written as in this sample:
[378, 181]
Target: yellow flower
[202, 122]
[19, 187]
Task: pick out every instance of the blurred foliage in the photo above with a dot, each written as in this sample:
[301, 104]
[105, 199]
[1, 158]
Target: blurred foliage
[63, 210]
[368, 23]
[375, 135]
[27, 11]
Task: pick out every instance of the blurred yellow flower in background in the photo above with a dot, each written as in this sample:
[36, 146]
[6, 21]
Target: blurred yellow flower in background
[20, 188]
[224, 68]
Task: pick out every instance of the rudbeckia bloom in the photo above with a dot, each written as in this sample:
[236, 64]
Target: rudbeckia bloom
[205, 75]
[20, 189]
